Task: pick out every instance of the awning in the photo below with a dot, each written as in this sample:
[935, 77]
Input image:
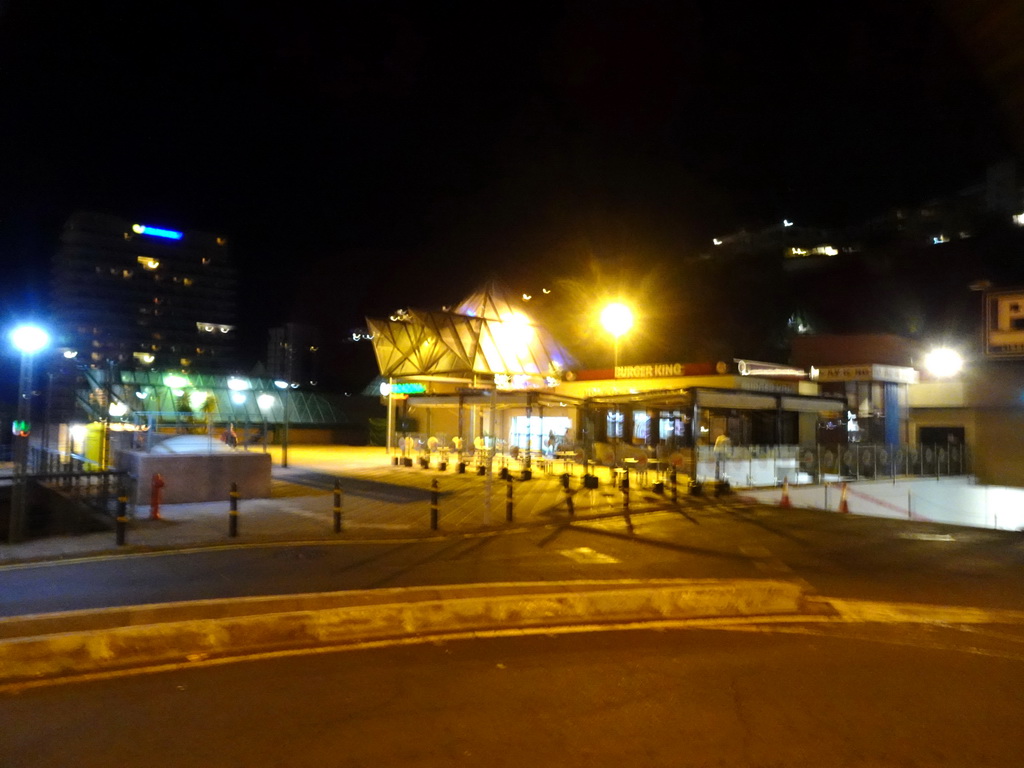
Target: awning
[744, 400]
[812, 404]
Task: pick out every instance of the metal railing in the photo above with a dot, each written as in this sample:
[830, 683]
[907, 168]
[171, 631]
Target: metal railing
[766, 465]
[80, 478]
[865, 461]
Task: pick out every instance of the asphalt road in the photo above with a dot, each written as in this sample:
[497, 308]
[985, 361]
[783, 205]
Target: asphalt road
[840, 556]
[771, 695]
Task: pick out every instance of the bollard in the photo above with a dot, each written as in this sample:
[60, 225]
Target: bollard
[434, 492]
[568, 495]
[122, 519]
[508, 499]
[337, 506]
[233, 514]
[675, 493]
[625, 503]
[155, 494]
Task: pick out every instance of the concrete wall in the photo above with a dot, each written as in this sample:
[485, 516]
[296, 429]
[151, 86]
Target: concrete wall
[951, 500]
[999, 446]
[194, 478]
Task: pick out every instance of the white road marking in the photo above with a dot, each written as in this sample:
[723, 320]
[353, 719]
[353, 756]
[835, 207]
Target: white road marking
[587, 555]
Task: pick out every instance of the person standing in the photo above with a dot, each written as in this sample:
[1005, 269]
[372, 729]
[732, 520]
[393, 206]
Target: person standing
[722, 449]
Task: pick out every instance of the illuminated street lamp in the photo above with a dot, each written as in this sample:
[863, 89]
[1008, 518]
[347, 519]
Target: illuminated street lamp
[943, 363]
[28, 340]
[617, 319]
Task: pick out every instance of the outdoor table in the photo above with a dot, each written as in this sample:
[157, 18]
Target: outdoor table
[567, 458]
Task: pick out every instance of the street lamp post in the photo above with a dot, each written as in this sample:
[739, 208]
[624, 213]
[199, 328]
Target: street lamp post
[617, 319]
[27, 339]
[264, 401]
[286, 397]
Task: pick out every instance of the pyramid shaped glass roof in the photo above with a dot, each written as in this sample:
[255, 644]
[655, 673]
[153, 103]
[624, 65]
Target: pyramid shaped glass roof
[487, 334]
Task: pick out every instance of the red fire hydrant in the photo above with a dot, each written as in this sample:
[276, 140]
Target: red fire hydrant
[154, 497]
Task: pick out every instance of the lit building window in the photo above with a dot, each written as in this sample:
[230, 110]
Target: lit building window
[148, 262]
[214, 328]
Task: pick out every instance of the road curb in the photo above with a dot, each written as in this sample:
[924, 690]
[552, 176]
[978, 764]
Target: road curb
[157, 635]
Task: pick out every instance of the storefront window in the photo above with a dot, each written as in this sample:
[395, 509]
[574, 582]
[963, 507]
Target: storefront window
[616, 419]
[541, 434]
[672, 429]
[641, 426]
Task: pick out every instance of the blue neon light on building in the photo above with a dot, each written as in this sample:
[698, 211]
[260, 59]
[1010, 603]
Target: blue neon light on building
[170, 234]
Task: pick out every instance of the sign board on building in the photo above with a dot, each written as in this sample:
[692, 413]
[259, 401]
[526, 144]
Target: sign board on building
[1004, 324]
[645, 371]
[892, 373]
[402, 388]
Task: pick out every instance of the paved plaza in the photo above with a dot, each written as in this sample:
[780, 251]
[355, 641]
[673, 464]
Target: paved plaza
[379, 500]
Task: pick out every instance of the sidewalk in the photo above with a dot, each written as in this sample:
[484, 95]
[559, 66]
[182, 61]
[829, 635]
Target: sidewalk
[379, 501]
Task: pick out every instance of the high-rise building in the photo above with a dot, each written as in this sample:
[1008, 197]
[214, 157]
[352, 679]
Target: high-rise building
[141, 296]
[292, 353]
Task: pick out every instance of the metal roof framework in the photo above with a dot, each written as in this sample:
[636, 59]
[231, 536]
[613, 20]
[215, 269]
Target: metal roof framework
[209, 397]
[488, 334]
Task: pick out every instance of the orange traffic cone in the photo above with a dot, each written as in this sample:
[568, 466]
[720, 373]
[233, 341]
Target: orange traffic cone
[844, 508]
[784, 501]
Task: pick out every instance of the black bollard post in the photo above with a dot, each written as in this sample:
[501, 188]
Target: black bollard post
[122, 519]
[625, 503]
[508, 499]
[434, 492]
[675, 493]
[337, 506]
[233, 514]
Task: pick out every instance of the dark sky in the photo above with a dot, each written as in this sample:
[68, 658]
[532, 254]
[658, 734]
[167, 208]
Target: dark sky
[363, 156]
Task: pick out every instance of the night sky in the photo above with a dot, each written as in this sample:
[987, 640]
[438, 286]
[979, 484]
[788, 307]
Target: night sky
[364, 156]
